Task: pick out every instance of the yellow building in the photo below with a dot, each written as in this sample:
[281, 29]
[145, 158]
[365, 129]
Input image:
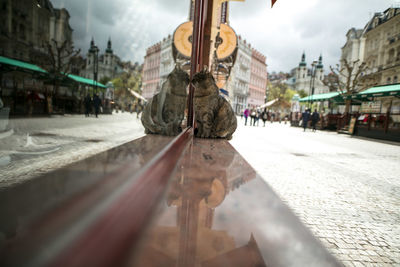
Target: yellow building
[382, 48]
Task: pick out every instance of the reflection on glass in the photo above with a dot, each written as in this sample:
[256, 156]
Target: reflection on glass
[185, 234]
[68, 88]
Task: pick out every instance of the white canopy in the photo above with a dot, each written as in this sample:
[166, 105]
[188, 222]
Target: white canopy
[269, 103]
[137, 95]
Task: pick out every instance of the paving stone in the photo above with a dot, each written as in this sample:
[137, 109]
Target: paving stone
[347, 190]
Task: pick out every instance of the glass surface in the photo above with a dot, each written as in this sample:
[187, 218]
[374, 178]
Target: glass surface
[219, 212]
[70, 81]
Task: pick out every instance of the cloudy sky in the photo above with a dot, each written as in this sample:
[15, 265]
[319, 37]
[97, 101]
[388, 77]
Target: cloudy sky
[281, 33]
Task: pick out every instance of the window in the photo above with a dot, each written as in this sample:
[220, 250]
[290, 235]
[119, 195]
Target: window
[388, 81]
[395, 79]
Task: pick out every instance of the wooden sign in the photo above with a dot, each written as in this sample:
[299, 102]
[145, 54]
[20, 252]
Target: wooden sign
[183, 40]
[352, 125]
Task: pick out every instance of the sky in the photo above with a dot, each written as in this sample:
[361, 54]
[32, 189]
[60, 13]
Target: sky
[281, 33]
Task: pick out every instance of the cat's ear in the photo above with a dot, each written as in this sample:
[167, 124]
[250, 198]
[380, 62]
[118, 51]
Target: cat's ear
[205, 68]
[178, 66]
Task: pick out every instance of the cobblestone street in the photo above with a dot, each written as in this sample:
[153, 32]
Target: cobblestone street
[39, 145]
[345, 189]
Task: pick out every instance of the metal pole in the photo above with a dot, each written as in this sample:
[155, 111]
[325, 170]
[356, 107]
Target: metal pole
[200, 12]
[308, 102]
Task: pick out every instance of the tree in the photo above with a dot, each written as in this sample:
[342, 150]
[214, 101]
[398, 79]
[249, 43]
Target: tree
[302, 93]
[105, 80]
[131, 80]
[347, 77]
[280, 92]
[57, 61]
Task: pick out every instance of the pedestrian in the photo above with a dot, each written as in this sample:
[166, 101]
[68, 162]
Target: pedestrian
[246, 113]
[305, 118]
[252, 117]
[96, 104]
[264, 116]
[314, 120]
[88, 104]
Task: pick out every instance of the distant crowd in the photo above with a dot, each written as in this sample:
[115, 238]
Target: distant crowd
[265, 115]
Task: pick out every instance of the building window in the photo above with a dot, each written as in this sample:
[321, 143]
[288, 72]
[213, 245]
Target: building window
[395, 79]
[388, 80]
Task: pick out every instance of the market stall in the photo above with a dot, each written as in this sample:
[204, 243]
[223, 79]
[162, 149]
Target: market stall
[379, 113]
[328, 105]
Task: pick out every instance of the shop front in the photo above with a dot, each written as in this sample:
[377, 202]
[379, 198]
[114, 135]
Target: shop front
[330, 106]
[379, 113]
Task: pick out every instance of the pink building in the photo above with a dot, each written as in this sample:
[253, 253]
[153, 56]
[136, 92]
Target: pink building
[151, 71]
[258, 79]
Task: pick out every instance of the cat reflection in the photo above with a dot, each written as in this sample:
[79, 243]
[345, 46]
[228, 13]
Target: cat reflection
[165, 112]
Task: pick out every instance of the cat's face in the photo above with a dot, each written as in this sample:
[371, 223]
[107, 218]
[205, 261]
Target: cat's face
[178, 80]
[204, 82]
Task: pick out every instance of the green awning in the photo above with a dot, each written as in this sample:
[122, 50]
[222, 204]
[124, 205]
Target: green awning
[80, 79]
[335, 96]
[21, 64]
[379, 91]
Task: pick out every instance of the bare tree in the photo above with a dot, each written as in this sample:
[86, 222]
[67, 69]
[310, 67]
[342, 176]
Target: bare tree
[351, 84]
[57, 60]
[60, 58]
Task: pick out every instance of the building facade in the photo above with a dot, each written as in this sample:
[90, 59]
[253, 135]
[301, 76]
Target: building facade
[27, 27]
[239, 80]
[352, 52]
[151, 71]
[109, 64]
[310, 80]
[258, 79]
[167, 63]
[382, 49]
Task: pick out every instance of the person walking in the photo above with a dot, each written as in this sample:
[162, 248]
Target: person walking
[96, 104]
[253, 117]
[246, 115]
[264, 116]
[314, 120]
[88, 105]
[305, 118]
[258, 116]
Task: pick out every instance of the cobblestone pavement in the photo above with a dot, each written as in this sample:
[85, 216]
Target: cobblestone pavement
[39, 145]
[345, 189]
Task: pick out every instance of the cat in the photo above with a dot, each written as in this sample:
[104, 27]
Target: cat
[165, 112]
[213, 114]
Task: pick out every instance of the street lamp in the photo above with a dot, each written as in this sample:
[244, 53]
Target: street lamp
[312, 81]
[95, 66]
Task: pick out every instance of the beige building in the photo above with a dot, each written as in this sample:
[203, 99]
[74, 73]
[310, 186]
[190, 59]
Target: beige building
[151, 71]
[353, 51]
[108, 64]
[310, 80]
[27, 26]
[382, 48]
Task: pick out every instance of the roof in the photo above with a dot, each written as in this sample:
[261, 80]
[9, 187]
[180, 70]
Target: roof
[322, 97]
[21, 64]
[80, 79]
[379, 91]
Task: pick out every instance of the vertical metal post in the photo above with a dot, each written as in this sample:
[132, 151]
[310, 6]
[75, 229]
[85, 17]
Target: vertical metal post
[199, 20]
